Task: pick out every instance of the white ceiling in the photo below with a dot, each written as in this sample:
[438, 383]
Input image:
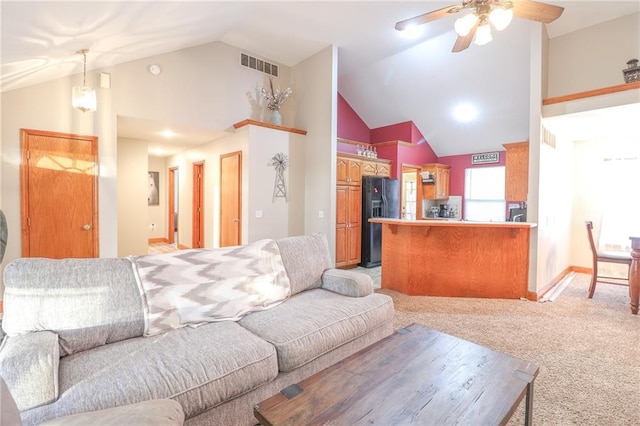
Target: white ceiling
[386, 78]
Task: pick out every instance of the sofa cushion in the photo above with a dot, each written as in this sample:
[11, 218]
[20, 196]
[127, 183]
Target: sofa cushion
[305, 258]
[158, 412]
[198, 367]
[317, 321]
[87, 302]
[29, 365]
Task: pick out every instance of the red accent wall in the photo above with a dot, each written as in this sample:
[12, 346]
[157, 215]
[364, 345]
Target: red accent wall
[350, 125]
[458, 164]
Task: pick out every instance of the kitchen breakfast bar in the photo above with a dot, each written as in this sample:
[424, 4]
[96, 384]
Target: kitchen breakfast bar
[455, 258]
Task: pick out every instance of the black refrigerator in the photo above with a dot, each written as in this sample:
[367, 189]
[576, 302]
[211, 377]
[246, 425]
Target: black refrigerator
[380, 198]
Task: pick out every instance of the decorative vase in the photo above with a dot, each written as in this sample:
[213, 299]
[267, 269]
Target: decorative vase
[632, 72]
[276, 118]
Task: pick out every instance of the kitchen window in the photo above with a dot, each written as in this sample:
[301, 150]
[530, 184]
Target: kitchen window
[484, 194]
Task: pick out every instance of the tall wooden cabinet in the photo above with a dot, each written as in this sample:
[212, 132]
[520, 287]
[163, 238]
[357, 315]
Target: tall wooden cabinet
[439, 189]
[517, 171]
[348, 211]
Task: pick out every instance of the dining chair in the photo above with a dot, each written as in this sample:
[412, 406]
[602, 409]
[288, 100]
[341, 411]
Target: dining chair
[602, 256]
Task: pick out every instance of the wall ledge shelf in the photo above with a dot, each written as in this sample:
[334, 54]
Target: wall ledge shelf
[268, 125]
[591, 93]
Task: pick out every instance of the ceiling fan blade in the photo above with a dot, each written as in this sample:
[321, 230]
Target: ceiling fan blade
[536, 11]
[464, 42]
[427, 17]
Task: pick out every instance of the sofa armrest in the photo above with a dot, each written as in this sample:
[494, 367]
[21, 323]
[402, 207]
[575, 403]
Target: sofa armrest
[348, 283]
[29, 366]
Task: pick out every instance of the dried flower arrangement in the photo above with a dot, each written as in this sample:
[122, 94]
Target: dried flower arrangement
[275, 98]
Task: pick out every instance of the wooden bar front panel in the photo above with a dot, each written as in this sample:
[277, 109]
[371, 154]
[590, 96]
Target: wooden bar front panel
[456, 261]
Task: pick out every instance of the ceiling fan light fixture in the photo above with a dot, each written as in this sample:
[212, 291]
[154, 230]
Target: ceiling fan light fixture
[500, 17]
[463, 25]
[84, 97]
[483, 35]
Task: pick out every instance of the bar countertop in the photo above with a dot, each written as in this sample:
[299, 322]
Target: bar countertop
[441, 222]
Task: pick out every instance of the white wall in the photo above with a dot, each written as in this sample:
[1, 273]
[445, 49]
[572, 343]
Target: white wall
[280, 217]
[317, 84]
[554, 211]
[132, 190]
[594, 57]
[157, 214]
[204, 87]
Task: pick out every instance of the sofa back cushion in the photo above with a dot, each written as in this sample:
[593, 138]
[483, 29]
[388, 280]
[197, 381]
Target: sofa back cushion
[305, 258]
[87, 302]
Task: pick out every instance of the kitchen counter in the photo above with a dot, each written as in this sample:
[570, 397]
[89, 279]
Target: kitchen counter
[456, 258]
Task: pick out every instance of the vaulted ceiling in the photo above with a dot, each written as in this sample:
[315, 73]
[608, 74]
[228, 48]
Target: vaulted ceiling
[385, 77]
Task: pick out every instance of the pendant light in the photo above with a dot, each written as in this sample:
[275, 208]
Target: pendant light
[83, 97]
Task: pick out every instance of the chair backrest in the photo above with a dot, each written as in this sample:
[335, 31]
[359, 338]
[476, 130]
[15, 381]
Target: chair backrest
[592, 242]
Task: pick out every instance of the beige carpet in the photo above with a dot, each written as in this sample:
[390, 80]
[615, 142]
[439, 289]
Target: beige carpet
[588, 350]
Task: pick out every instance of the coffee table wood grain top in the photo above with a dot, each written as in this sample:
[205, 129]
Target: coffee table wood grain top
[415, 376]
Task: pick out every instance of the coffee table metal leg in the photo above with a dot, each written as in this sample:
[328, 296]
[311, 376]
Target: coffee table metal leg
[528, 409]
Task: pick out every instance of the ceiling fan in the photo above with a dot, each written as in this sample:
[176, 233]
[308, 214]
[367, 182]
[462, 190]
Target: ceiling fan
[498, 13]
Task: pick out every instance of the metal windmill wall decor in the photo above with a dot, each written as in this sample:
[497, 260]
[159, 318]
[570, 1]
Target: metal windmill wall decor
[280, 162]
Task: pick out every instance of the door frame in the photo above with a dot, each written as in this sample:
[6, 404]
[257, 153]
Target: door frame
[409, 168]
[24, 185]
[198, 205]
[171, 204]
[239, 206]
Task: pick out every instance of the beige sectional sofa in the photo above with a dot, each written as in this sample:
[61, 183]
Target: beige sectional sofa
[74, 338]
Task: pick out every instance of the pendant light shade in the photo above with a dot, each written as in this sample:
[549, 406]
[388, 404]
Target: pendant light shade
[84, 97]
[500, 17]
[483, 35]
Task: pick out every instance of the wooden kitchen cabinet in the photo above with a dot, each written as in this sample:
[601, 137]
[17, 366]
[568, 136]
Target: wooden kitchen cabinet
[439, 189]
[348, 171]
[348, 210]
[348, 225]
[517, 171]
[376, 167]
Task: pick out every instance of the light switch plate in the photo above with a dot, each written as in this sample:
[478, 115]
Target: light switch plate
[258, 214]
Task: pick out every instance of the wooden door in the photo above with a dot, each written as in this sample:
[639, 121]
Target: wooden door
[231, 199]
[342, 211]
[354, 253]
[172, 206]
[198, 205]
[59, 187]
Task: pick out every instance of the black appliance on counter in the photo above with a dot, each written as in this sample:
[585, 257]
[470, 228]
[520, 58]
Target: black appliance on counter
[380, 198]
[517, 214]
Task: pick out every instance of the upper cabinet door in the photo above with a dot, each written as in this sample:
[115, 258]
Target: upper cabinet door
[517, 171]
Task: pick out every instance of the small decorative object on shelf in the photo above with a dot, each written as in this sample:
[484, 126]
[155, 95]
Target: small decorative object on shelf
[275, 98]
[280, 162]
[632, 73]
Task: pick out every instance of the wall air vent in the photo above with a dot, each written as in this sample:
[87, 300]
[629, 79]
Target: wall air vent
[258, 64]
[548, 137]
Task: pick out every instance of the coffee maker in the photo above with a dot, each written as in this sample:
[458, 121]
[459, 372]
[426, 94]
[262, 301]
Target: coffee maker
[445, 210]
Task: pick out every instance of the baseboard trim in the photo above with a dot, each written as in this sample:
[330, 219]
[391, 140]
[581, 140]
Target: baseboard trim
[182, 247]
[158, 240]
[582, 269]
[535, 296]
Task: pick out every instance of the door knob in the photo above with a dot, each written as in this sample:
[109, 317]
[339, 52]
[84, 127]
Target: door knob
[235, 220]
[86, 227]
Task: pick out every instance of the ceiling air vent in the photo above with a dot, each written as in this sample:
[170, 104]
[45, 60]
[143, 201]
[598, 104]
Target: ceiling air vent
[258, 64]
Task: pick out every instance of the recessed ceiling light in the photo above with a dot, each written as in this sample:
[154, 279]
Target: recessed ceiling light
[168, 133]
[465, 112]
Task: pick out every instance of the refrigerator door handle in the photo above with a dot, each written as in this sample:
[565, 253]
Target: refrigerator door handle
[384, 206]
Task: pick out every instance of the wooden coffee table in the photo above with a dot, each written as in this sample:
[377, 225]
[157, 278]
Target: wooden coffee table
[415, 376]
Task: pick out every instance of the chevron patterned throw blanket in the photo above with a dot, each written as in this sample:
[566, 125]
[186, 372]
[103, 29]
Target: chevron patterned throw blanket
[196, 286]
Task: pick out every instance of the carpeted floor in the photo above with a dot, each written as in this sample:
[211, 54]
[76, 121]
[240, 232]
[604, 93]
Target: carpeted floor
[588, 350]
